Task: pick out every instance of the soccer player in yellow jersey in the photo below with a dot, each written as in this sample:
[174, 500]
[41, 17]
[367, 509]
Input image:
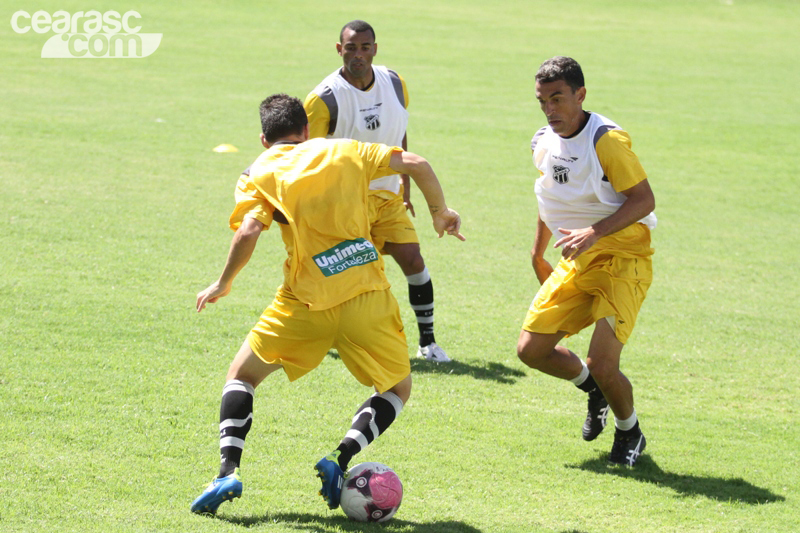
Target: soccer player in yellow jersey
[334, 294]
[594, 196]
[369, 103]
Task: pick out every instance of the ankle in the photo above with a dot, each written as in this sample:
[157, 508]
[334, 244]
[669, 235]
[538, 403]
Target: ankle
[628, 433]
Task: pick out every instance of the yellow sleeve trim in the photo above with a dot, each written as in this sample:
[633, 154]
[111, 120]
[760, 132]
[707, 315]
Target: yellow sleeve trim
[377, 157]
[250, 203]
[319, 117]
[405, 90]
[620, 164]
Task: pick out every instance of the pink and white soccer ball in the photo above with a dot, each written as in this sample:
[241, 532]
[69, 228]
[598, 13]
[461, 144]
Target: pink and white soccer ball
[372, 492]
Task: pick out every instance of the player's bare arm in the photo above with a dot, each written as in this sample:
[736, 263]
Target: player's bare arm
[639, 203]
[242, 246]
[541, 267]
[407, 183]
[445, 220]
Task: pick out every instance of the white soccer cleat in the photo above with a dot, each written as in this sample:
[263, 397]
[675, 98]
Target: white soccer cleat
[433, 352]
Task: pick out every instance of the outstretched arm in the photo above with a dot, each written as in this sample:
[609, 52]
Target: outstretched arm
[445, 220]
[242, 246]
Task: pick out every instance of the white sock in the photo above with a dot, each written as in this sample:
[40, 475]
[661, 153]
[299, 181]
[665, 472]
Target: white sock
[419, 279]
[628, 423]
[582, 376]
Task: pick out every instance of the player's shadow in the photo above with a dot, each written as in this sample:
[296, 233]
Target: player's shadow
[327, 524]
[485, 370]
[717, 488]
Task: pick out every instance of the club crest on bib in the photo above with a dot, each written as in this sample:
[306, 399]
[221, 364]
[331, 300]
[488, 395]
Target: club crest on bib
[373, 122]
[560, 174]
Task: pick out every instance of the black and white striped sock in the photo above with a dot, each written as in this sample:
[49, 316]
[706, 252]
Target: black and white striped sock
[372, 419]
[420, 295]
[235, 419]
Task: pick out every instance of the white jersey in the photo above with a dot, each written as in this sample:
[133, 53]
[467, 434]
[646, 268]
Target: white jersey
[377, 115]
[573, 190]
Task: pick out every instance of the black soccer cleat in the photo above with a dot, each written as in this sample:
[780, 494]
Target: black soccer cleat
[626, 450]
[596, 415]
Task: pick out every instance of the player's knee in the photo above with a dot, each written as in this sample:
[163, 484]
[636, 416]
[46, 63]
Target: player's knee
[403, 389]
[602, 371]
[408, 256]
[529, 353]
[251, 370]
[414, 264]
[240, 375]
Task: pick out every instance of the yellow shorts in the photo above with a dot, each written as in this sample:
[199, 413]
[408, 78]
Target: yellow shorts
[601, 283]
[366, 330]
[389, 220]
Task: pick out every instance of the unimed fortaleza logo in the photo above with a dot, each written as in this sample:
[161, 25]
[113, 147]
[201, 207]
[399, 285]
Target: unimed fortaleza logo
[345, 255]
[89, 35]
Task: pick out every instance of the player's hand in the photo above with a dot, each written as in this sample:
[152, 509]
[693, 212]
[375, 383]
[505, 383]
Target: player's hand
[407, 195]
[541, 268]
[214, 292]
[447, 221]
[409, 207]
[575, 241]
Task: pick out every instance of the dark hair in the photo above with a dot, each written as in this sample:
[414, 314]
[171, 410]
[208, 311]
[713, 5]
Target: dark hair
[282, 116]
[357, 26]
[561, 68]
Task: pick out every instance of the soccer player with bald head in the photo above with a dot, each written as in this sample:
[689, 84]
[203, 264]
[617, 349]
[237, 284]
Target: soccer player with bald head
[369, 103]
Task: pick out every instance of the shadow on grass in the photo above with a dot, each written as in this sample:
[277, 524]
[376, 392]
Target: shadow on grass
[324, 524]
[646, 470]
[486, 371]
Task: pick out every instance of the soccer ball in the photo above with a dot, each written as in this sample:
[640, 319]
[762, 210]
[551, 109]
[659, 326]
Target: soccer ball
[372, 492]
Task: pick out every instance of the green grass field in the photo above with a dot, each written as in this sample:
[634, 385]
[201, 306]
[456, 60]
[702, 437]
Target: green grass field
[113, 215]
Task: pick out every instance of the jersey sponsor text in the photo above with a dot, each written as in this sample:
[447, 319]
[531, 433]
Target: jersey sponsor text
[345, 255]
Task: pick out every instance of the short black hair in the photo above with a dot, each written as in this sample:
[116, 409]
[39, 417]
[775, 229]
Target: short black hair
[561, 68]
[357, 26]
[281, 116]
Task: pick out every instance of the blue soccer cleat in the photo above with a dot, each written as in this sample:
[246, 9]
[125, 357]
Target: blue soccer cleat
[219, 490]
[332, 479]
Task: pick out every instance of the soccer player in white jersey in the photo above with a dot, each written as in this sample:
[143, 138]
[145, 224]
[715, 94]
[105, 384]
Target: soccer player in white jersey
[594, 197]
[368, 103]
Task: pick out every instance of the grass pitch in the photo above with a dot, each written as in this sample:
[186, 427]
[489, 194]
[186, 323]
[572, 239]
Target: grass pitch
[113, 215]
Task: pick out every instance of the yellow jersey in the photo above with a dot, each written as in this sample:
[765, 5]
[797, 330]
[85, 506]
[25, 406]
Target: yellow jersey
[320, 187]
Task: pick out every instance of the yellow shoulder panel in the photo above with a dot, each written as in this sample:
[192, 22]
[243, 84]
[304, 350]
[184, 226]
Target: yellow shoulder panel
[319, 117]
[376, 158]
[620, 164]
[250, 203]
[405, 90]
